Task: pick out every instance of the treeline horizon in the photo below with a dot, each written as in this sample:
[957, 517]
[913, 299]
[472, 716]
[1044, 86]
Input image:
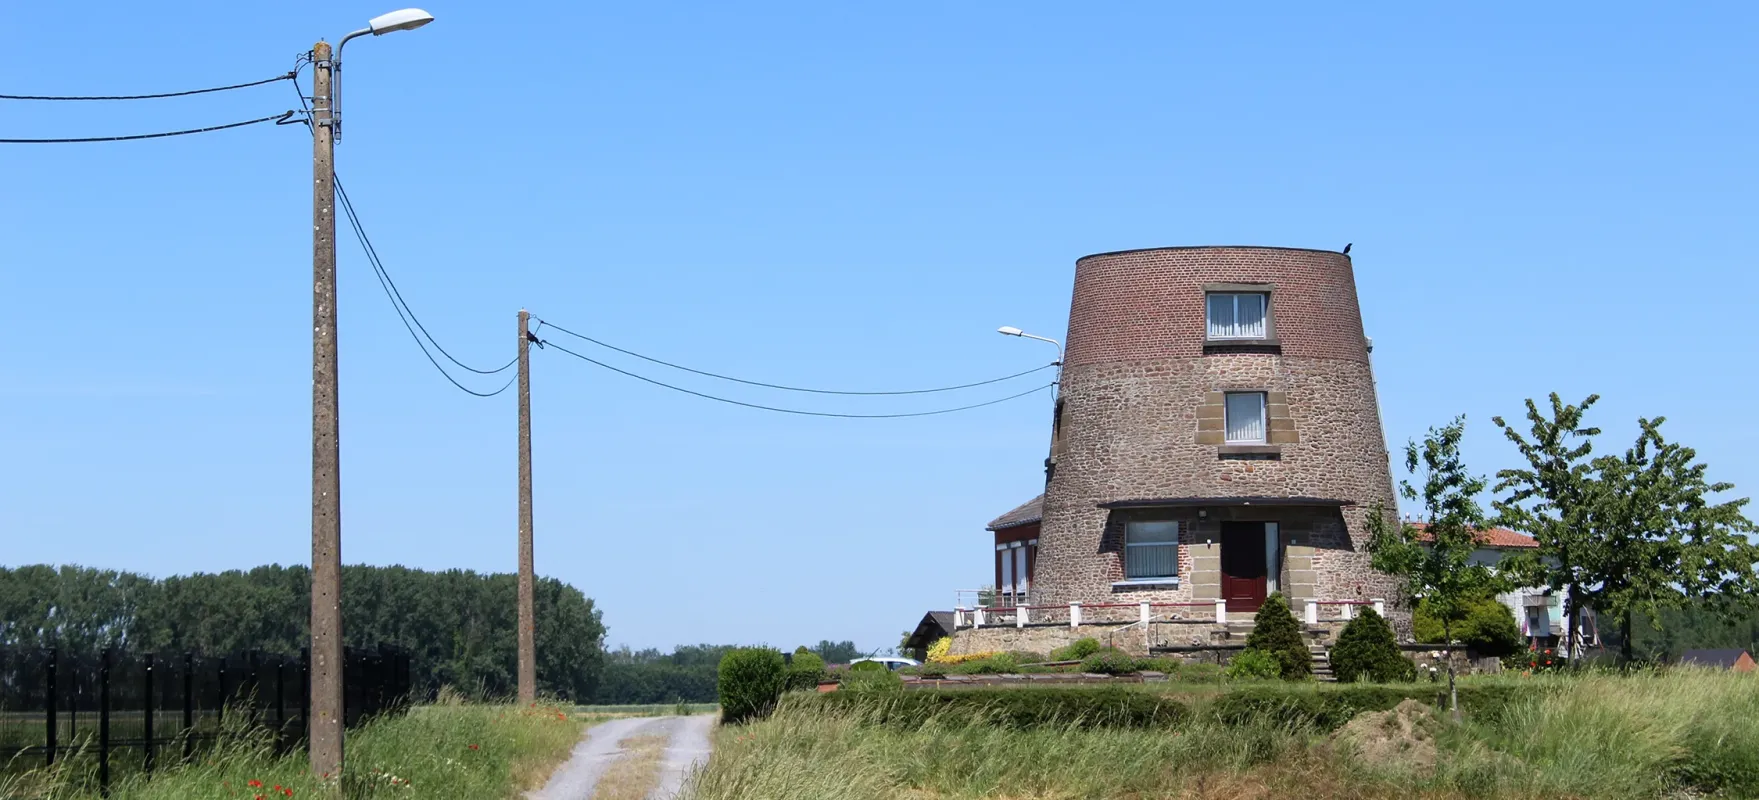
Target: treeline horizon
[458, 625]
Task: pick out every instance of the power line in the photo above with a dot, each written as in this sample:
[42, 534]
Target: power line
[284, 77]
[590, 360]
[384, 283]
[279, 119]
[543, 324]
[405, 314]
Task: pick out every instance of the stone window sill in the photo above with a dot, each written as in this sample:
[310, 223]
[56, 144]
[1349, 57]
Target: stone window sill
[1270, 345]
[1250, 451]
[1142, 584]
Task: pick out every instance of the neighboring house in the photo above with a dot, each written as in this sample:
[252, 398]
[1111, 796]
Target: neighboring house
[1216, 437]
[935, 625]
[1538, 610]
[1016, 535]
[1733, 660]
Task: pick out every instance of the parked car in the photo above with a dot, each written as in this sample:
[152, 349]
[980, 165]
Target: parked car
[891, 662]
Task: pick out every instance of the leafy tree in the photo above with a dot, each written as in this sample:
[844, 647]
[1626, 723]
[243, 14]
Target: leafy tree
[1366, 649]
[838, 652]
[1483, 623]
[1275, 631]
[1553, 499]
[1439, 571]
[1665, 542]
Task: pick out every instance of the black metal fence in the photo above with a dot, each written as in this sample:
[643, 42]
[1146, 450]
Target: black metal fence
[125, 711]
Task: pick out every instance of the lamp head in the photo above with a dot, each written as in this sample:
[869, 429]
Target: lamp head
[407, 19]
[1009, 330]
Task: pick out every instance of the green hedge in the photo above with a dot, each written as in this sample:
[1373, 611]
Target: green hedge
[1329, 708]
[749, 682]
[1017, 708]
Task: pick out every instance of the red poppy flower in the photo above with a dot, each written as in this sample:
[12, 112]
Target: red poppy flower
[288, 792]
[473, 747]
[255, 784]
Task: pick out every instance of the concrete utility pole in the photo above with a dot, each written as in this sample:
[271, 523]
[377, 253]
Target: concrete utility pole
[325, 724]
[527, 578]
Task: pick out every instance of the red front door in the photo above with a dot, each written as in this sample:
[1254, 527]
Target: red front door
[1243, 585]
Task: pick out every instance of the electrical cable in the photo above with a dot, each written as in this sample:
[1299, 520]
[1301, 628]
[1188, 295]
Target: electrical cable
[279, 119]
[590, 360]
[284, 77]
[384, 283]
[392, 293]
[542, 324]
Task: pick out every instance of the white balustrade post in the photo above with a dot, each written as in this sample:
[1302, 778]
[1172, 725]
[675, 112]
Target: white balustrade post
[1380, 606]
[979, 618]
[1074, 615]
[1344, 611]
[1022, 616]
[958, 618]
[1221, 612]
[1146, 614]
[1312, 612]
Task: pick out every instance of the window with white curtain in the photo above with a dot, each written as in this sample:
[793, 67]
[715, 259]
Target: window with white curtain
[1151, 549]
[1237, 315]
[1245, 417]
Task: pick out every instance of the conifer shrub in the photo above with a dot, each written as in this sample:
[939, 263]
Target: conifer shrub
[749, 683]
[1366, 650]
[1276, 632]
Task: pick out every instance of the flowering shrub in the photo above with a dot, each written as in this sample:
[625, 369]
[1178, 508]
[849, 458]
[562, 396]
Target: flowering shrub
[961, 658]
[938, 650]
[1546, 660]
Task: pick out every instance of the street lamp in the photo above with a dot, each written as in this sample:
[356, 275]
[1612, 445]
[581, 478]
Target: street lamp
[407, 19]
[1009, 330]
[324, 719]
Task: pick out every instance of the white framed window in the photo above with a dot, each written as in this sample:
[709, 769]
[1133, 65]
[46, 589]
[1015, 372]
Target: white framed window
[1151, 549]
[1238, 315]
[1245, 423]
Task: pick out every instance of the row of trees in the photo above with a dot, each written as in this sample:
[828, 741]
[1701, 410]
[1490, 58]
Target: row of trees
[459, 625]
[1638, 534]
[688, 673]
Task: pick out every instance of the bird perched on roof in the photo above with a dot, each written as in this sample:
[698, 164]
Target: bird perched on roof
[1347, 248]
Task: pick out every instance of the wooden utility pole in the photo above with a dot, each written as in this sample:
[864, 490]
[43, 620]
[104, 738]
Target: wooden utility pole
[325, 723]
[527, 578]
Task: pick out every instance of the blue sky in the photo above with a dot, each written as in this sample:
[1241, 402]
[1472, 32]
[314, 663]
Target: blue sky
[1541, 198]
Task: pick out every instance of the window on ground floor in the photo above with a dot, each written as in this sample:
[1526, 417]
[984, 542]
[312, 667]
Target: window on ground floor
[1151, 549]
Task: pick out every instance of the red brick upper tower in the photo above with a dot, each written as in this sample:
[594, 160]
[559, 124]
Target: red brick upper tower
[1218, 432]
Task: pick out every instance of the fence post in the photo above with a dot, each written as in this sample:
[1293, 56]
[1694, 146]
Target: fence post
[1022, 616]
[1144, 613]
[147, 714]
[1312, 612]
[280, 702]
[1221, 612]
[978, 619]
[1344, 612]
[49, 739]
[104, 723]
[1074, 615]
[188, 706]
[1380, 606]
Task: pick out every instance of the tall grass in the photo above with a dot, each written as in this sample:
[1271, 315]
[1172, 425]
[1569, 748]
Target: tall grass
[448, 750]
[1646, 735]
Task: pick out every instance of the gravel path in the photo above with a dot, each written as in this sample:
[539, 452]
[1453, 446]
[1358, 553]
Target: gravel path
[687, 745]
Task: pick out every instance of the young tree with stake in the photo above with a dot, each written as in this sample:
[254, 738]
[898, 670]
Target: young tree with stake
[1553, 499]
[1437, 567]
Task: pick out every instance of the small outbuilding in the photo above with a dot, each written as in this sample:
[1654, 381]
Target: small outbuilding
[1732, 659]
[934, 625]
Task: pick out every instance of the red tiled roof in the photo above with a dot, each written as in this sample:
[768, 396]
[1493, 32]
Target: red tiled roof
[1501, 538]
[1024, 514]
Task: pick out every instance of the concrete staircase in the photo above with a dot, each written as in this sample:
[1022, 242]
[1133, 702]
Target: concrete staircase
[1321, 663]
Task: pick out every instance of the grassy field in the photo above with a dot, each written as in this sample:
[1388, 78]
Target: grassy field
[1650, 735]
[446, 750]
